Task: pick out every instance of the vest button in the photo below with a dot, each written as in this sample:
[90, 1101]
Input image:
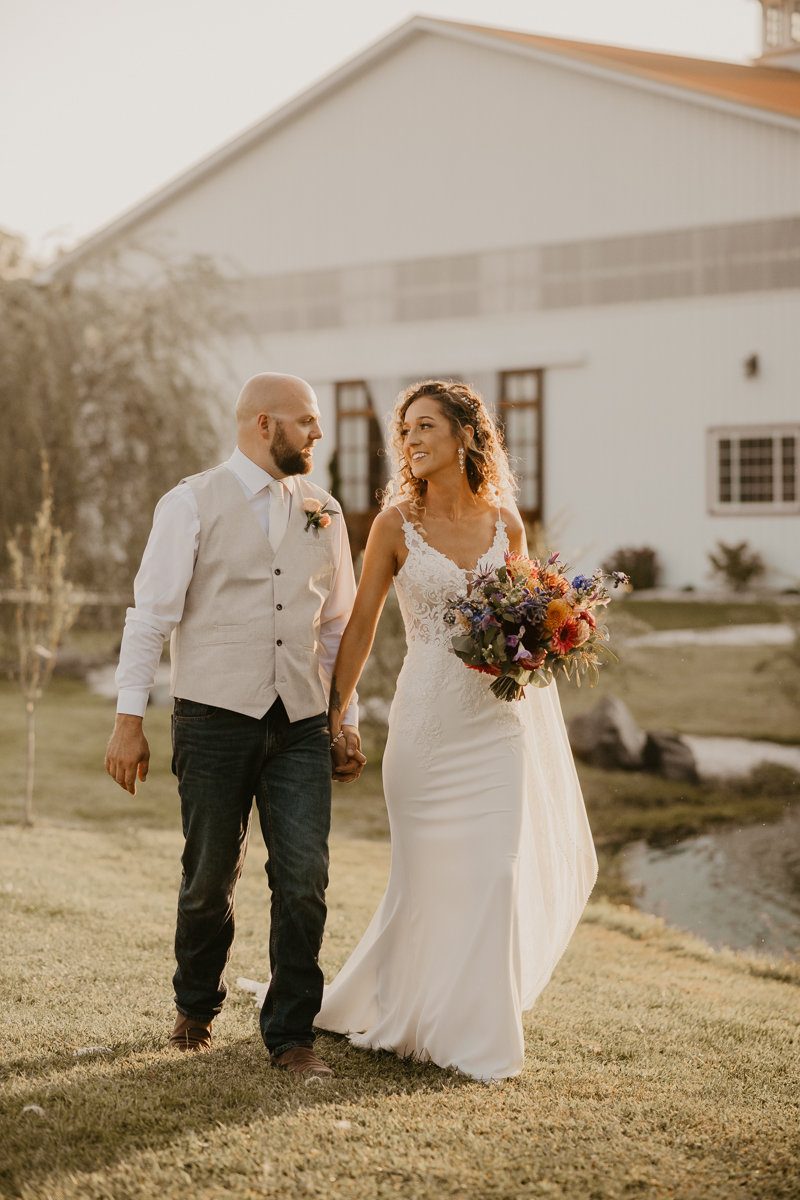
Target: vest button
[277, 570]
[279, 607]
[279, 642]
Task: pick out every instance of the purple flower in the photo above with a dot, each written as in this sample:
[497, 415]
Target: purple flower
[553, 558]
[484, 574]
[619, 577]
[486, 620]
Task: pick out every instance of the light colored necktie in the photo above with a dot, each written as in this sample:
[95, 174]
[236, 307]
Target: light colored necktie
[277, 513]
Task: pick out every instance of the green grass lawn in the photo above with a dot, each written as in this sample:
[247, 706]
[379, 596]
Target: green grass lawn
[692, 614]
[73, 789]
[654, 1067]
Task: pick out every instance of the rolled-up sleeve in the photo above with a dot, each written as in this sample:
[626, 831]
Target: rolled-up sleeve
[159, 592]
[336, 613]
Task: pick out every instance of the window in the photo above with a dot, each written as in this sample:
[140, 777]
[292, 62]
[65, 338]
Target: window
[521, 421]
[753, 469]
[773, 25]
[794, 28]
[360, 463]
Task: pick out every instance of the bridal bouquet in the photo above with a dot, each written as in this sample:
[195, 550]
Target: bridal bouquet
[525, 621]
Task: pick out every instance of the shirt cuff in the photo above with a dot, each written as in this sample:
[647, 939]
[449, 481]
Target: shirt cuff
[351, 715]
[133, 701]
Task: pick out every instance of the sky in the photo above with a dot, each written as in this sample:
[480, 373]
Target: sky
[104, 101]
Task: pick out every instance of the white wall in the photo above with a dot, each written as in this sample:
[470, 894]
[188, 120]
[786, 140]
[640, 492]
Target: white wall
[629, 394]
[447, 147]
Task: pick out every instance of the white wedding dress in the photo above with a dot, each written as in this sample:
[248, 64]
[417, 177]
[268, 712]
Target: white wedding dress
[492, 856]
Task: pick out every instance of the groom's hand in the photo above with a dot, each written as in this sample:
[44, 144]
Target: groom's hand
[346, 756]
[128, 753]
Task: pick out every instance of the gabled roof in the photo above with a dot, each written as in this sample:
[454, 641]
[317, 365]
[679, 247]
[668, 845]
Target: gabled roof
[769, 94]
[775, 89]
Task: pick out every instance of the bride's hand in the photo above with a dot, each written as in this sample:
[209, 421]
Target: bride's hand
[346, 757]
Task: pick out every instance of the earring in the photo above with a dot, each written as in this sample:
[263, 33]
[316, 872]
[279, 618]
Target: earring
[461, 457]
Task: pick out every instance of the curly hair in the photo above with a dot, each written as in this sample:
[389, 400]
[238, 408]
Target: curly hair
[486, 462]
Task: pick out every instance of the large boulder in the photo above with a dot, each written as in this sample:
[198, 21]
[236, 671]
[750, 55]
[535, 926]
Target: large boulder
[608, 736]
[668, 755]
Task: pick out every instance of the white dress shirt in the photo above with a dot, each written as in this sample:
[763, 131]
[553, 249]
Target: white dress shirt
[166, 571]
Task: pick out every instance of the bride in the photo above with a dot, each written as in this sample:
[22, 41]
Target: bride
[492, 857]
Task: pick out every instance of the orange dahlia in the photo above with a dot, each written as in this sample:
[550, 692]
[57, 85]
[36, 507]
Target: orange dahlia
[557, 613]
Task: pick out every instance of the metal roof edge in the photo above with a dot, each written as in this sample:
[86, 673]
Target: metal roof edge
[621, 75]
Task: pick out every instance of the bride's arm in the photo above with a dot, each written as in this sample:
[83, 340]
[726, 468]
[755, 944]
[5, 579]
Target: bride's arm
[380, 565]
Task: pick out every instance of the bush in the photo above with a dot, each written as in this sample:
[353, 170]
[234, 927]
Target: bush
[640, 565]
[738, 565]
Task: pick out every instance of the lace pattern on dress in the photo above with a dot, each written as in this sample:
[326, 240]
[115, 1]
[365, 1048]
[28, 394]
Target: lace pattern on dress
[424, 584]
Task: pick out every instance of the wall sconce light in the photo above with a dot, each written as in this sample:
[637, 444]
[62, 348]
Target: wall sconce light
[751, 366]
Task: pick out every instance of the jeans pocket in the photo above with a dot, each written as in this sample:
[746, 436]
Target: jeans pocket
[191, 710]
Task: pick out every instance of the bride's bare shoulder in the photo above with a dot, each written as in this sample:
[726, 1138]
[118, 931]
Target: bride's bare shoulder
[515, 529]
[389, 520]
[388, 526]
[512, 519]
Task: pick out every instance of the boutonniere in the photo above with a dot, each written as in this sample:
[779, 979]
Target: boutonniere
[317, 517]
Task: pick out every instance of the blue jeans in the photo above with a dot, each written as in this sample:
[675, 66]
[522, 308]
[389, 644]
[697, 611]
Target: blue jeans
[222, 759]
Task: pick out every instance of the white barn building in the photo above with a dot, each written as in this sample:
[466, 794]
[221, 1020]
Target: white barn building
[606, 242]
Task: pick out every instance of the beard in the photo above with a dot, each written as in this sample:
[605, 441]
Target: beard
[288, 459]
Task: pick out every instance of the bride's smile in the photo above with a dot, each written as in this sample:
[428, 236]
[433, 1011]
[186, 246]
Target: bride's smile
[429, 445]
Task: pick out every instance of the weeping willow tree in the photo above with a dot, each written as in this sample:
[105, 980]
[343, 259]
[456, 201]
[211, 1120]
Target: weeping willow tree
[45, 606]
[110, 376]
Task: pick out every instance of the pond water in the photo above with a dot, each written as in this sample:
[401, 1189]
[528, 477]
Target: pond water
[737, 888]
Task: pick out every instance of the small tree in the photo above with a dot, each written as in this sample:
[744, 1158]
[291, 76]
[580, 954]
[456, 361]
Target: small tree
[737, 564]
[46, 606]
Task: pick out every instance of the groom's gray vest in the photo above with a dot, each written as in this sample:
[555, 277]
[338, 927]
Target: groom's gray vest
[251, 619]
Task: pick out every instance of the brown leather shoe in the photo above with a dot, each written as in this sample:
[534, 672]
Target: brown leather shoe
[301, 1061]
[189, 1034]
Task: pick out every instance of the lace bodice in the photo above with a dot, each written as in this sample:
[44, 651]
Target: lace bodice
[428, 579]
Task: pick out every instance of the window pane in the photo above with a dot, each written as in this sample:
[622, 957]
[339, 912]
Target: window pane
[521, 385]
[353, 462]
[756, 471]
[352, 396]
[359, 446]
[522, 438]
[789, 469]
[725, 463]
[774, 22]
[795, 28]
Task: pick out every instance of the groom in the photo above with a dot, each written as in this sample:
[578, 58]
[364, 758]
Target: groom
[254, 591]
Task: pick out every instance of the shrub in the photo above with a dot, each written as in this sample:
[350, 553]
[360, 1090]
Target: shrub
[640, 565]
[738, 565]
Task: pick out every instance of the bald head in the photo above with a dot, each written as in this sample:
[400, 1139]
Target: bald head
[273, 394]
[278, 420]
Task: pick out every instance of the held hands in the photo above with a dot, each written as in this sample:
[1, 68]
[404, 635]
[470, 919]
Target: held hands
[347, 761]
[128, 753]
